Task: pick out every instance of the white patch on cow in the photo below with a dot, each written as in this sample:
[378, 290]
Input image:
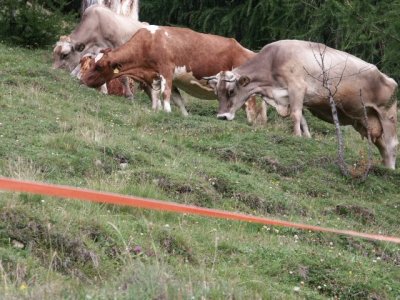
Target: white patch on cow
[65, 47]
[281, 96]
[104, 89]
[98, 57]
[179, 71]
[166, 33]
[152, 28]
[64, 43]
[77, 72]
[227, 116]
[163, 83]
[167, 106]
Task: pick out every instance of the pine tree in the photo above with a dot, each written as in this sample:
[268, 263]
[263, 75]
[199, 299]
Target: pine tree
[34, 23]
[367, 29]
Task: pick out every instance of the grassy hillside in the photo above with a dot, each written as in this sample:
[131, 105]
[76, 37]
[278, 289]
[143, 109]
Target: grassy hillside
[54, 130]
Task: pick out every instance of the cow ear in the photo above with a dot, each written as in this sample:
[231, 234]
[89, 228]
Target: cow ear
[79, 47]
[212, 83]
[244, 80]
[106, 51]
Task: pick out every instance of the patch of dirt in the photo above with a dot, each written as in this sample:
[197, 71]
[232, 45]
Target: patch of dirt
[66, 254]
[169, 186]
[260, 204]
[177, 246]
[355, 210]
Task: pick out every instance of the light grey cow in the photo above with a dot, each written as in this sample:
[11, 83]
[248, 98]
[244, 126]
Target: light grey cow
[289, 76]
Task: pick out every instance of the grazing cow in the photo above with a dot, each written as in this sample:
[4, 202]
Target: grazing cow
[113, 87]
[288, 75]
[168, 58]
[99, 28]
[129, 8]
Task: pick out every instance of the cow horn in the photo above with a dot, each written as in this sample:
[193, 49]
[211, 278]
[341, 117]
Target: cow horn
[210, 77]
[230, 78]
[202, 86]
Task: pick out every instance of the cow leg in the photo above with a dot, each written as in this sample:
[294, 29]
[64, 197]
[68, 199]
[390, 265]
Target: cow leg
[154, 93]
[304, 126]
[176, 96]
[166, 89]
[104, 89]
[387, 142]
[263, 113]
[255, 114]
[155, 99]
[128, 92]
[296, 95]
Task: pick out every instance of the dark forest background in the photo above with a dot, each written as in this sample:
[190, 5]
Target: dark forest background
[368, 29]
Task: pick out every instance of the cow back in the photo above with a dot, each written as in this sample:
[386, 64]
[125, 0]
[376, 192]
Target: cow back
[129, 8]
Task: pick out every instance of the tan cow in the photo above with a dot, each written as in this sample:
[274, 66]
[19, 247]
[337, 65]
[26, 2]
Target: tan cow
[99, 28]
[288, 75]
[168, 58]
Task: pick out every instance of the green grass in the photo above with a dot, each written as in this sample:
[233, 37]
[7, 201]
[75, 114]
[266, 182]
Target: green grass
[56, 131]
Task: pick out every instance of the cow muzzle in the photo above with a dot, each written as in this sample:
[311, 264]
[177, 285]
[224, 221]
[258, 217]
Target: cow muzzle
[225, 116]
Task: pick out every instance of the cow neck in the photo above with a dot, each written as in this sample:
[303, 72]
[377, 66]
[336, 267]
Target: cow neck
[128, 56]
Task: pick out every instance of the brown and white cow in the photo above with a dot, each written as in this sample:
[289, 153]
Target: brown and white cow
[168, 58]
[288, 75]
[99, 28]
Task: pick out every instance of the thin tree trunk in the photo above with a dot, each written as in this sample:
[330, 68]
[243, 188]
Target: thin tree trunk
[370, 153]
[339, 135]
[129, 8]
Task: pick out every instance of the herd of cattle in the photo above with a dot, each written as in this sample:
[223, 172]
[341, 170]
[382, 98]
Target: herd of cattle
[108, 50]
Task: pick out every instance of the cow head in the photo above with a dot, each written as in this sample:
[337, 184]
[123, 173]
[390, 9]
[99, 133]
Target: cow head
[83, 66]
[67, 54]
[101, 70]
[230, 90]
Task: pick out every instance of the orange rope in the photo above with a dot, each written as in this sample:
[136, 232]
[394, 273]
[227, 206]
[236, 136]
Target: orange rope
[83, 194]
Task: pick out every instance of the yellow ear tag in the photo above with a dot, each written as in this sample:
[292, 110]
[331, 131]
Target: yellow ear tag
[116, 71]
